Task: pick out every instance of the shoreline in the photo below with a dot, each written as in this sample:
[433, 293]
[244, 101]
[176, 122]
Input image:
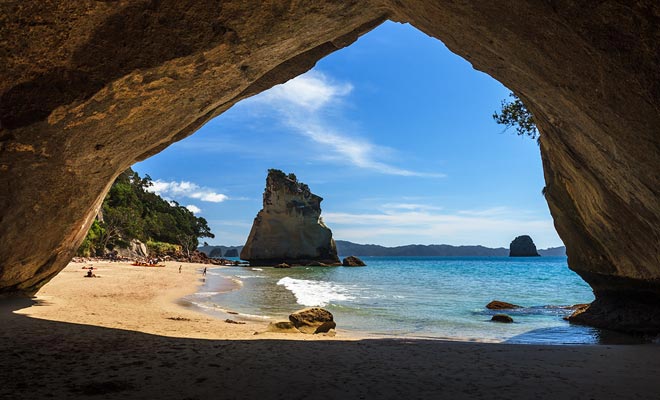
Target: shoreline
[123, 336]
[150, 300]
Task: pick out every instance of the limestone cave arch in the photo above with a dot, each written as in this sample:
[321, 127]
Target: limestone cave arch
[91, 87]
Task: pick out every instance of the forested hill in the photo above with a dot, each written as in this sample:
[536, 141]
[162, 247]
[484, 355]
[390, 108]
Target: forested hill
[130, 211]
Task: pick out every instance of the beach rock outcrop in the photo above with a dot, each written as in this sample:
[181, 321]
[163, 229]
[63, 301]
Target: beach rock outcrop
[523, 246]
[282, 327]
[289, 228]
[89, 88]
[501, 305]
[352, 261]
[313, 320]
[135, 249]
[503, 318]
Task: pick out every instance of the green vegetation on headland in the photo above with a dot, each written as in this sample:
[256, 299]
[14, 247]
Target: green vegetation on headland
[515, 114]
[131, 212]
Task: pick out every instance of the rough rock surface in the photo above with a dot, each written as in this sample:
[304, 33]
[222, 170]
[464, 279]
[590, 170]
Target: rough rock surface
[523, 246]
[282, 327]
[312, 320]
[501, 305]
[352, 261]
[90, 87]
[135, 249]
[289, 229]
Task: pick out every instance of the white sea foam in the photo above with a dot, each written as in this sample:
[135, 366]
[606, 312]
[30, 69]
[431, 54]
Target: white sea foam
[257, 269]
[249, 276]
[315, 293]
[206, 294]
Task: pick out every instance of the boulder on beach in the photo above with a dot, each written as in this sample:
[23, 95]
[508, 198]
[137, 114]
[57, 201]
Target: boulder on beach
[313, 320]
[352, 261]
[501, 305]
[289, 228]
[523, 246]
[282, 327]
[503, 318]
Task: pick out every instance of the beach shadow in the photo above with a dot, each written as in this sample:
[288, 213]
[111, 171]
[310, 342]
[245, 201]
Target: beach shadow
[46, 359]
[576, 334]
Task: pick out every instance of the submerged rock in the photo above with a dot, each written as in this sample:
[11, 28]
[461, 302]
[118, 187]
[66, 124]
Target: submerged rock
[313, 320]
[289, 228]
[523, 246]
[503, 318]
[501, 305]
[352, 261]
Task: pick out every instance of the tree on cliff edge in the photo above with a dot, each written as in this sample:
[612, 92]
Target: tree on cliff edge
[515, 114]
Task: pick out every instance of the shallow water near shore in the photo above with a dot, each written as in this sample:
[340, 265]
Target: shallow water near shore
[426, 297]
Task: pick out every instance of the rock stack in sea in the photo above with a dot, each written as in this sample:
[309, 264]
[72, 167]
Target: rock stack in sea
[289, 228]
[523, 246]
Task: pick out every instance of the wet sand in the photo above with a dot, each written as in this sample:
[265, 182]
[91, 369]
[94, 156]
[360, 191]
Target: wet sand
[124, 336]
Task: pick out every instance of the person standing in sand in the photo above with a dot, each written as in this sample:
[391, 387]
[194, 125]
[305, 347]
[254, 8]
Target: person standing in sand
[179, 268]
[204, 272]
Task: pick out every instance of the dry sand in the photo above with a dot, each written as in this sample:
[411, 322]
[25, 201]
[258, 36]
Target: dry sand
[124, 336]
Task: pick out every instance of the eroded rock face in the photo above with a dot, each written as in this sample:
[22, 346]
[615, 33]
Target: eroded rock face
[523, 246]
[90, 87]
[289, 229]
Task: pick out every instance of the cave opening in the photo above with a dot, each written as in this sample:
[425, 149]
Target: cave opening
[408, 122]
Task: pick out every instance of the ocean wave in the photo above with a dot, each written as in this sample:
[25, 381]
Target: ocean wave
[256, 269]
[315, 293]
[249, 276]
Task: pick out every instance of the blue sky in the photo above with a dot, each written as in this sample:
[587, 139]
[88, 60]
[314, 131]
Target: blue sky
[394, 132]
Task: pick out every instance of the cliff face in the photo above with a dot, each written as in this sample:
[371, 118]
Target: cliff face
[289, 228]
[90, 87]
[523, 246]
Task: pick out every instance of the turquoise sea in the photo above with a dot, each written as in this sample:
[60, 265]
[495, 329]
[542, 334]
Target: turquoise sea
[430, 297]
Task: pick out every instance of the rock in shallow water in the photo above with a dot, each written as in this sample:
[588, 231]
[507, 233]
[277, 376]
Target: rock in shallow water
[503, 318]
[289, 228]
[352, 261]
[501, 305]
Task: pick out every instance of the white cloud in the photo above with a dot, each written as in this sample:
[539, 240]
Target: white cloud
[311, 91]
[187, 189]
[427, 226]
[303, 103]
[193, 209]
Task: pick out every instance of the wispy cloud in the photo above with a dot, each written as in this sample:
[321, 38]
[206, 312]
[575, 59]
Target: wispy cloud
[308, 104]
[173, 190]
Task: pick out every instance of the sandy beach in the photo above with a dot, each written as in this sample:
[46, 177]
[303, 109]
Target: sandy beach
[126, 335]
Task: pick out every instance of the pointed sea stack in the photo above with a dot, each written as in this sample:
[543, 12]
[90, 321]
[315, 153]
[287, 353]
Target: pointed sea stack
[289, 228]
[523, 246]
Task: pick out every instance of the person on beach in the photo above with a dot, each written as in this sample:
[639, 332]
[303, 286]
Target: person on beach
[204, 272]
[179, 268]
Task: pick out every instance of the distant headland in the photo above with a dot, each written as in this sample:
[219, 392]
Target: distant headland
[345, 248]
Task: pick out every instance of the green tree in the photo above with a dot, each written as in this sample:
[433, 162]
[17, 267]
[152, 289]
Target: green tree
[515, 114]
[130, 211]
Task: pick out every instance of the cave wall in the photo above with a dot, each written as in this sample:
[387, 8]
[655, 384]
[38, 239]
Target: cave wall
[90, 87]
